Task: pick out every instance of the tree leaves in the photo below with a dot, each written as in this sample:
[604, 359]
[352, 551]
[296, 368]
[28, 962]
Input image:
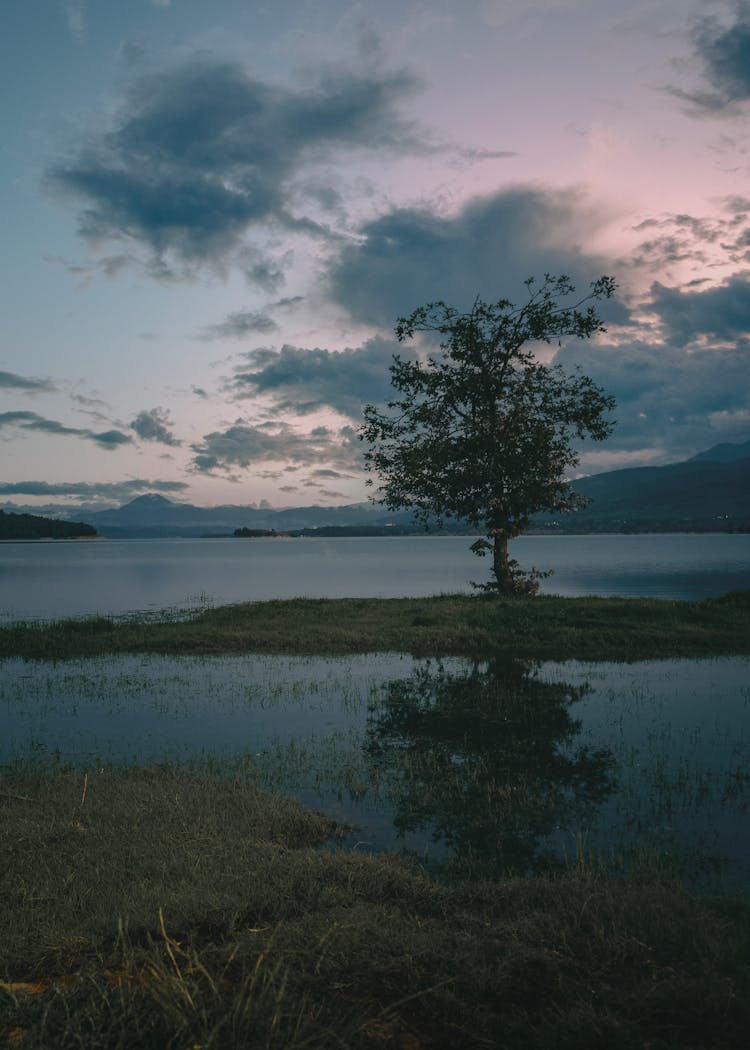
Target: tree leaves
[484, 432]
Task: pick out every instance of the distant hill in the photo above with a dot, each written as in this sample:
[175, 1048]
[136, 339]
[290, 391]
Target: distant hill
[710, 492]
[31, 527]
[153, 515]
[725, 453]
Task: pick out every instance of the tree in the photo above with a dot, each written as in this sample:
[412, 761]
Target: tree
[485, 433]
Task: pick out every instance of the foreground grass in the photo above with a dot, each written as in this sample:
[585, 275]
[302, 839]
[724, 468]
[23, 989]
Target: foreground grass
[154, 908]
[539, 628]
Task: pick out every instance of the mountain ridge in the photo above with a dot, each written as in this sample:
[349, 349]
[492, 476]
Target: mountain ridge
[708, 492]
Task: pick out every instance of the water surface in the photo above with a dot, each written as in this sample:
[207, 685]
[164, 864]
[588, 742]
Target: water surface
[69, 578]
[490, 764]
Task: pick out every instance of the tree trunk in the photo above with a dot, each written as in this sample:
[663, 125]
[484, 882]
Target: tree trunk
[500, 567]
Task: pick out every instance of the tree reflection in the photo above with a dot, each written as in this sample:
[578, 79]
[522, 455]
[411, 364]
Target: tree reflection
[487, 759]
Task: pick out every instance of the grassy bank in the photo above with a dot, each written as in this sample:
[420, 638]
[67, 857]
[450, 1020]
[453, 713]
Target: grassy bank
[153, 908]
[537, 628]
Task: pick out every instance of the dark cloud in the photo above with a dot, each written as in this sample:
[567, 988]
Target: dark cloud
[244, 445]
[119, 490]
[238, 325]
[202, 153]
[12, 381]
[725, 54]
[413, 255]
[670, 401]
[262, 269]
[486, 154]
[721, 313]
[107, 439]
[304, 380]
[153, 425]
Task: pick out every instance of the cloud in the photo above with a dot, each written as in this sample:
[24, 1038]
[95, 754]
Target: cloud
[12, 381]
[203, 153]
[75, 16]
[706, 242]
[305, 380]
[92, 407]
[108, 439]
[725, 53]
[244, 445]
[153, 425]
[263, 270]
[118, 490]
[721, 313]
[671, 403]
[239, 325]
[410, 256]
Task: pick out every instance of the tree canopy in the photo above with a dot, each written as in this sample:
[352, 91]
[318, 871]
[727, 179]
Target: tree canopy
[486, 432]
[33, 527]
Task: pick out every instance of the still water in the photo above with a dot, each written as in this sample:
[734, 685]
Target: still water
[67, 578]
[489, 764]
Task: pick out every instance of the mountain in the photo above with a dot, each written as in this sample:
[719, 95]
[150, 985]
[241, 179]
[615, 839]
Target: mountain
[153, 515]
[709, 492]
[726, 453]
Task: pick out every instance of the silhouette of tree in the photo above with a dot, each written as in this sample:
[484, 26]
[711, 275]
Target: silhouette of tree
[485, 432]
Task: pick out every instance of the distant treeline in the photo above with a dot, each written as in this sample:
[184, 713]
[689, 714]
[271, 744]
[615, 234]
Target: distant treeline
[357, 530]
[572, 526]
[368, 530]
[32, 527]
[563, 526]
[255, 534]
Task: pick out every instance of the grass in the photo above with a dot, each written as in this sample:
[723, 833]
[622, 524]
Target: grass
[166, 909]
[157, 908]
[540, 628]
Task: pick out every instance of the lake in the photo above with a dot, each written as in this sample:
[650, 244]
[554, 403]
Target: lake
[46, 580]
[494, 764]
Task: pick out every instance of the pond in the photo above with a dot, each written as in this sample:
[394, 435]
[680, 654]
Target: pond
[479, 766]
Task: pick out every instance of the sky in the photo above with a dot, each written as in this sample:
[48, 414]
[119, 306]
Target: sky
[214, 212]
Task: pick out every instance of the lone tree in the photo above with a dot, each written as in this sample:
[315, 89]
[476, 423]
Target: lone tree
[484, 433]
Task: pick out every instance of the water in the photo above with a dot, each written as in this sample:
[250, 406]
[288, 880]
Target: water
[498, 763]
[64, 578]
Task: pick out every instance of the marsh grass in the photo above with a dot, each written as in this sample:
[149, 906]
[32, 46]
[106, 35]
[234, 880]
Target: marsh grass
[157, 908]
[495, 764]
[545, 627]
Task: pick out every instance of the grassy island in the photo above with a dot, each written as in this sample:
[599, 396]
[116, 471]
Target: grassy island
[166, 908]
[533, 628]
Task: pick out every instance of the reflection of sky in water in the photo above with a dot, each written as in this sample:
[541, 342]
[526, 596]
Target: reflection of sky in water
[51, 580]
[676, 733]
